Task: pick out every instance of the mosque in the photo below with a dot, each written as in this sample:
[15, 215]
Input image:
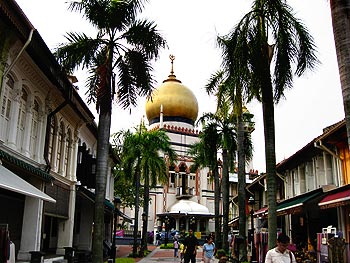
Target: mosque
[187, 201]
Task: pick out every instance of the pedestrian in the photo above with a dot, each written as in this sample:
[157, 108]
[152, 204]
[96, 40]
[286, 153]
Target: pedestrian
[208, 250]
[280, 254]
[191, 245]
[176, 248]
[182, 251]
[157, 239]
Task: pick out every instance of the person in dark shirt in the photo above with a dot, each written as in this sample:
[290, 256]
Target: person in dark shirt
[191, 244]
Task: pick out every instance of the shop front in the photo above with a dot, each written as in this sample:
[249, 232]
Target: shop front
[335, 235]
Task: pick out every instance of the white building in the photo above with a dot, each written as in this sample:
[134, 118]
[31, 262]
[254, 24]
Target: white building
[187, 201]
[45, 127]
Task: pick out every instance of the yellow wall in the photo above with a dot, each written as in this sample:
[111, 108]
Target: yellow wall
[345, 156]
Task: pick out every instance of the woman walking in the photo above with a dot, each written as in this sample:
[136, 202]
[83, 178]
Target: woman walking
[208, 250]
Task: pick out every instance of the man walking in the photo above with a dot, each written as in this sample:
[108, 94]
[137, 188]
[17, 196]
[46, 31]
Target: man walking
[191, 245]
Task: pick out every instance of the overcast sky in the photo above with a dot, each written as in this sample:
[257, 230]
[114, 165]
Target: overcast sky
[190, 28]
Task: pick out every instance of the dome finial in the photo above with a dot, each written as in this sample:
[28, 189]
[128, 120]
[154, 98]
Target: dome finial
[172, 58]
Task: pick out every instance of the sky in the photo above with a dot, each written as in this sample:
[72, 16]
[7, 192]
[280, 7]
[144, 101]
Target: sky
[190, 28]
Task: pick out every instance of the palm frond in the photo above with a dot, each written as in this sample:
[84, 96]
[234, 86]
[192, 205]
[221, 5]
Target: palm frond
[144, 36]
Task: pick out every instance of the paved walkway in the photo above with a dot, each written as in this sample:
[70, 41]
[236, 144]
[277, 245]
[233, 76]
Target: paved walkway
[157, 255]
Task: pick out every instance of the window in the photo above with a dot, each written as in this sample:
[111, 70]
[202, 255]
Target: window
[210, 181]
[60, 146]
[67, 152]
[51, 140]
[21, 122]
[33, 147]
[6, 107]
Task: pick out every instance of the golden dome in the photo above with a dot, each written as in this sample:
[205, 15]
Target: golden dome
[178, 102]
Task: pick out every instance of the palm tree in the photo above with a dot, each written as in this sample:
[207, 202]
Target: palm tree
[122, 43]
[205, 155]
[221, 84]
[141, 158]
[154, 167]
[340, 21]
[265, 46]
[223, 120]
[131, 163]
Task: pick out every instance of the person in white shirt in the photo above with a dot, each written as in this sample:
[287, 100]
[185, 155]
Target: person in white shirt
[280, 253]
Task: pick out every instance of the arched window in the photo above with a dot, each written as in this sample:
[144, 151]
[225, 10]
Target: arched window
[67, 152]
[60, 145]
[6, 107]
[51, 140]
[21, 122]
[33, 147]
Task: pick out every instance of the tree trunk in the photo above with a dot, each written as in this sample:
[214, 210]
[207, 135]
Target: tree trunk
[270, 157]
[225, 199]
[104, 126]
[218, 241]
[102, 156]
[340, 10]
[241, 188]
[137, 209]
[145, 210]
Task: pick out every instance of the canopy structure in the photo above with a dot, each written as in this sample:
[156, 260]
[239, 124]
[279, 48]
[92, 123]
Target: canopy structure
[341, 197]
[126, 217]
[295, 205]
[262, 212]
[12, 182]
[190, 208]
[91, 196]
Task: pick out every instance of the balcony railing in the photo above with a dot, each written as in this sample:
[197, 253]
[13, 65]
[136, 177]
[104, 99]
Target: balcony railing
[182, 192]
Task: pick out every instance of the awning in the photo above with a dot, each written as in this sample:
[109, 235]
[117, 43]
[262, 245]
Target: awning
[294, 205]
[261, 212]
[332, 200]
[26, 166]
[126, 218]
[91, 196]
[233, 221]
[12, 182]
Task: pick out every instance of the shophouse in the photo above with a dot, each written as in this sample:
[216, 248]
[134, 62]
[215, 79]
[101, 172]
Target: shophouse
[316, 178]
[47, 146]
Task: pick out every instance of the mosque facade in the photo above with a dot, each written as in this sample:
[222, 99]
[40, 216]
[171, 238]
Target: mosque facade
[187, 200]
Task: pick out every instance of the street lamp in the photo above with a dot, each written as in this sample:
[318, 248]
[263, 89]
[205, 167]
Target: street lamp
[251, 202]
[144, 217]
[166, 230]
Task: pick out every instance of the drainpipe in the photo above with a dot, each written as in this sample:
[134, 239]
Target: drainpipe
[318, 144]
[20, 53]
[47, 134]
[284, 181]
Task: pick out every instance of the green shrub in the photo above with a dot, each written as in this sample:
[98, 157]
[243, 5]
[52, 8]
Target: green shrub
[124, 260]
[168, 246]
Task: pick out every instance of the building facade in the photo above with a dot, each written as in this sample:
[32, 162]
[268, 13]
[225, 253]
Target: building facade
[47, 147]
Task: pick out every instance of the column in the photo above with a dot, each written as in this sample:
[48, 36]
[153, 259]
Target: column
[65, 228]
[74, 155]
[31, 227]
